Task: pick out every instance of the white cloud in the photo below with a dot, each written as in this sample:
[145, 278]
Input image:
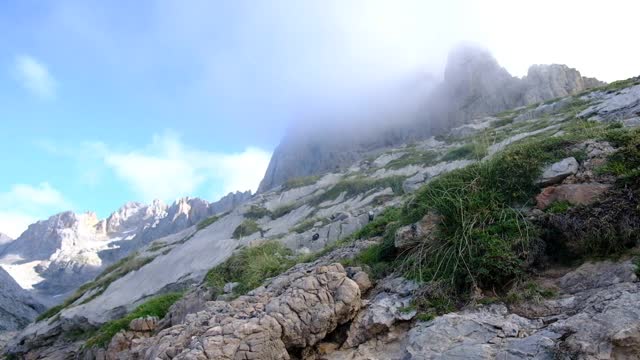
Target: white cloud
[34, 76]
[167, 169]
[24, 204]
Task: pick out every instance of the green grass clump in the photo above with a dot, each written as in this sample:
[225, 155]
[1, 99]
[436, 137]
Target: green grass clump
[308, 224]
[620, 84]
[246, 228]
[483, 239]
[100, 284]
[559, 207]
[378, 226]
[300, 182]
[283, 210]
[360, 185]
[413, 157]
[502, 122]
[624, 163]
[206, 222]
[473, 150]
[157, 306]
[256, 212]
[157, 245]
[251, 266]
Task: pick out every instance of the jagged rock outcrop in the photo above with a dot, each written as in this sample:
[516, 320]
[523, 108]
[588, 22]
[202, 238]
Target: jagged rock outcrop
[17, 307]
[295, 311]
[474, 85]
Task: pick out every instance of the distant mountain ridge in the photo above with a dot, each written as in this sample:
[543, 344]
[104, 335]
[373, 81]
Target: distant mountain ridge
[57, 255]
[474, 85]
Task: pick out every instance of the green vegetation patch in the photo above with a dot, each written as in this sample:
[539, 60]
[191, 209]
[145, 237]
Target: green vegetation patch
[157, 306]
[413, 157]
[246, 228]
[251, 266]
[283, 210]
[300, 182]
[360, 185]
[559, 207]
[308, 224]
[624, 163]
[378, 226]
[474, 150]
[206, 222]
[256, 212]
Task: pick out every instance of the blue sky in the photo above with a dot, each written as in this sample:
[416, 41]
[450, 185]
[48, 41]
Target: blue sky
[103, 102]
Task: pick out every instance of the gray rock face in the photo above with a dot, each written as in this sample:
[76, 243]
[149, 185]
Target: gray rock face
[474, 86]
[557, 172]
[614, 106]
[17, 307]
[544, 82]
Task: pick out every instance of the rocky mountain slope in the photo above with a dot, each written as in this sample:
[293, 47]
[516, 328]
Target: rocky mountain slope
[492, 222]
[474, 85]
[17, 307]
[53, 257]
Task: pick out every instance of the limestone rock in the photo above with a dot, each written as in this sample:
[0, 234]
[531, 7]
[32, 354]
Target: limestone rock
[556, 172]
[597, 275]
[296, 310]
[575, 194]
[614, 106]
[145, 324]
[380, 314]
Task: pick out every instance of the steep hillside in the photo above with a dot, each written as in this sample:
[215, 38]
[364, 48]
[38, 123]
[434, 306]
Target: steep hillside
[499, 211]
[474, 86]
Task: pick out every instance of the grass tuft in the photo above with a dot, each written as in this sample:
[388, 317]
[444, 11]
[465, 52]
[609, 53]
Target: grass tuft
[206, 222]
[157, 306]
[250, 266]
[360, 185]
[300, 182]
[246, 228]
